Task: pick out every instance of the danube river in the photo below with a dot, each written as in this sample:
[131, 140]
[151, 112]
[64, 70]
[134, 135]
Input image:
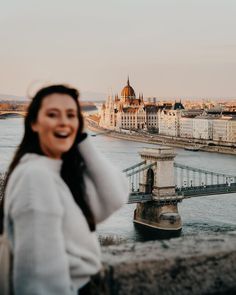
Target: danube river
[206, 215]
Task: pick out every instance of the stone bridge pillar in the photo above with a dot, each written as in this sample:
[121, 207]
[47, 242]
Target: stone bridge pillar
[161, 214]
[164, 183]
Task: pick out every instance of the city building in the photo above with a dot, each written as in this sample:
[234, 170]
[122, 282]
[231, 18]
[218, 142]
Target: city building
[202, 127]
[232, 130]
[224, 129]
[169, 119]
[186, 127]
[127, 111]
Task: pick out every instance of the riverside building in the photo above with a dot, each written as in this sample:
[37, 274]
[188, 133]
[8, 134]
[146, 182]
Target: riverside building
[127, 112]
[169, 119]
[131, 113]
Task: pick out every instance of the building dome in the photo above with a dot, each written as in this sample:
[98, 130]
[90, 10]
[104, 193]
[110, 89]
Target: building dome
[128, 91]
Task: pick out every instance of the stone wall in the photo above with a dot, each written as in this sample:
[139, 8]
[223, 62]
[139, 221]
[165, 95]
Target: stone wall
[186, 265]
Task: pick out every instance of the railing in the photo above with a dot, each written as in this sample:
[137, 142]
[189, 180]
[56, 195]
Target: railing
[186, 176]
[135, 175]
[215, 189]
[139, 198]
[134, 166]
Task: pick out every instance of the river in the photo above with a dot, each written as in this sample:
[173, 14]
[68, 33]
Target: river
[209, 214]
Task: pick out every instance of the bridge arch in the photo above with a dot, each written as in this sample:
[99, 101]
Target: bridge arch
[149, 181]
[11, 114]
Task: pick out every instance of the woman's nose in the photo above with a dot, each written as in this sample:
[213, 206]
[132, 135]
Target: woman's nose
[63, 120]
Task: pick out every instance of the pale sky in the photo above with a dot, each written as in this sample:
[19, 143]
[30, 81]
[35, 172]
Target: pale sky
[169, 48]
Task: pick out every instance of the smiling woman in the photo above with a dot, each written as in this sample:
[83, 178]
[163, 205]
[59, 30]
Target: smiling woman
[57, 124]
[57, 191]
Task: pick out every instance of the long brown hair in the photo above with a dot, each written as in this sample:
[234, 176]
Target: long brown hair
[73, 165]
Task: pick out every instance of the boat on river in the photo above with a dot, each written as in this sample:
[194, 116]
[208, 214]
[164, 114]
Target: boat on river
[192, 148]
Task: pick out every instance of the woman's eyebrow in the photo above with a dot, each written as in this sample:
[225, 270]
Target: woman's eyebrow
[58, 109]
[52, 109]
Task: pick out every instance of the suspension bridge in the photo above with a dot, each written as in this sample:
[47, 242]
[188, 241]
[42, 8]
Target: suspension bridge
[158, 184]
[189, 182]
[12, 113]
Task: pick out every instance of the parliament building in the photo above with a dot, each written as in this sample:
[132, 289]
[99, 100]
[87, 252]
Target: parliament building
[128, 112]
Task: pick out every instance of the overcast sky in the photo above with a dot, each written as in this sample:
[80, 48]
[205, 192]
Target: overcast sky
[169, 48]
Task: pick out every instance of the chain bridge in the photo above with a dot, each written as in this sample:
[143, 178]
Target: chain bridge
[189, 182]
[12, 112]
[158, 184]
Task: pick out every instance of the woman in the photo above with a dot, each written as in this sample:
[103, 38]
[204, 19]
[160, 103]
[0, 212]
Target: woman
[58, 188]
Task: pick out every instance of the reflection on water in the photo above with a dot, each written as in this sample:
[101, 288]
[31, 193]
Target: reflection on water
[207, 215]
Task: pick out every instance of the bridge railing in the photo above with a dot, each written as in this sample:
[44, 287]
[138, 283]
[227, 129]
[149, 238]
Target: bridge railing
[215, 189]
[132, 168]
[136, 175]
[186, 176]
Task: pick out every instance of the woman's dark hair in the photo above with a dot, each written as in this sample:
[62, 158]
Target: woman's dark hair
[73, 165]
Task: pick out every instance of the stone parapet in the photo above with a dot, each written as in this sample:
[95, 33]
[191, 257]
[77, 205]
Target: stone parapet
[186, 265]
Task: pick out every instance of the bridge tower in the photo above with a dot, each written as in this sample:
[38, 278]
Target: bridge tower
[160, 214]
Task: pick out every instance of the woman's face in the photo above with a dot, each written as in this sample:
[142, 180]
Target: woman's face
[57, 124]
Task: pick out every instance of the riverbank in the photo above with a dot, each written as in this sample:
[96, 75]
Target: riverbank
[202, 145]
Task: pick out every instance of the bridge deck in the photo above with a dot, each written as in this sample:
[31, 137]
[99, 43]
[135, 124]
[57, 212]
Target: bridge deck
[184, 192]
[188, 182]
[206, 190]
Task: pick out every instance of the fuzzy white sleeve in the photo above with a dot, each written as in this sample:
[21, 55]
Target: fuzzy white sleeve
[106, 186]
[40, 263]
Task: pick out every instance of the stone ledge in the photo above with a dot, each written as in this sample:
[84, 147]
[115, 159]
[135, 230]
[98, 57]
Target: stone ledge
[187, 265]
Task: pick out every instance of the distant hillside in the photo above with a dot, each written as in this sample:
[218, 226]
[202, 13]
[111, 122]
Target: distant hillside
[84, 96]
[22, 105]
[92, 96]
[10, 97]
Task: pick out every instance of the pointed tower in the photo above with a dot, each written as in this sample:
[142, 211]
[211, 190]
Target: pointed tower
[111, 103]
[139, 99]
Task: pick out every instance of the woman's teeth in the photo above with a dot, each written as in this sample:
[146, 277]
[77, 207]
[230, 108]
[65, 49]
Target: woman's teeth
[61, 134]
